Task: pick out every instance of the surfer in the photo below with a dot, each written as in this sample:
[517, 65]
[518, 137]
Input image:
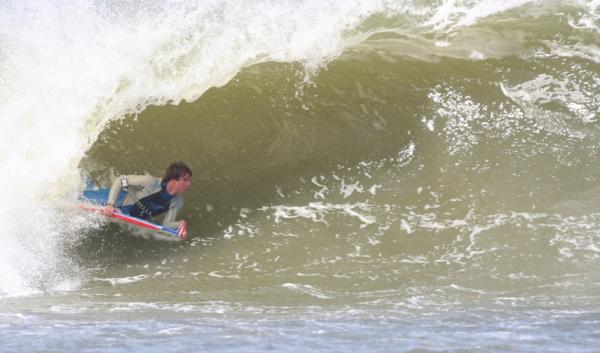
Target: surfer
[149, 196]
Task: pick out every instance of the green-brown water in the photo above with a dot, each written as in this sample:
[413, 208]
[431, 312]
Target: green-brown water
[420, 177]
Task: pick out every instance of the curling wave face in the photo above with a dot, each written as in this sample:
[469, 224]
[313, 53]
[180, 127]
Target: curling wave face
[393, 142]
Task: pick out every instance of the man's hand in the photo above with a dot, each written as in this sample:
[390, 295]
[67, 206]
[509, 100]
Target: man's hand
[182, 230]
[108, 210]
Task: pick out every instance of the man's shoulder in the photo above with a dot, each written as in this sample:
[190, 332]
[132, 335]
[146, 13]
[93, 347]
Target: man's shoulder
[177, 201]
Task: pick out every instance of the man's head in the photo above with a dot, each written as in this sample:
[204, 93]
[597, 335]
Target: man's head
[178, 177]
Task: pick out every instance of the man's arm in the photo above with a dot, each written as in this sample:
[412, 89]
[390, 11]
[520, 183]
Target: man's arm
[115, 189]
[117, 186]
[171, 217]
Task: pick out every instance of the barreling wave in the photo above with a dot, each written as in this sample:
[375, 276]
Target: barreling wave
[317, 85]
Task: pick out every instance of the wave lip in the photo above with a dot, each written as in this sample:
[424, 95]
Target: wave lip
[72, 68]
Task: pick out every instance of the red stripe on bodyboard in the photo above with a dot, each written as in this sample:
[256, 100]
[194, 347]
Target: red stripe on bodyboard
[135, 221]
[131, 220]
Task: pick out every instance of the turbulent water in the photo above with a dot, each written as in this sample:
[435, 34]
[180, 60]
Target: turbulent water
[406, 176]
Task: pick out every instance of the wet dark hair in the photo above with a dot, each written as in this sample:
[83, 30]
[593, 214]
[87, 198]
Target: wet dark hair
[175, 171]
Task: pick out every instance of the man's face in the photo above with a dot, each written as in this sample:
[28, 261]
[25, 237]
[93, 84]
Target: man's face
[183, 183]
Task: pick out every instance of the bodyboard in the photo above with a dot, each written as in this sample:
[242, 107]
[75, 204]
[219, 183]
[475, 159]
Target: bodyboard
[96, 201]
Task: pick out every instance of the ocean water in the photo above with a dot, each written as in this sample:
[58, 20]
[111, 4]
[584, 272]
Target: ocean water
[374, 176]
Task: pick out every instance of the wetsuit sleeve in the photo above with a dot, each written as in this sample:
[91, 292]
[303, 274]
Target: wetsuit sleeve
[114, 191]
[135, 181]
[171, 215]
